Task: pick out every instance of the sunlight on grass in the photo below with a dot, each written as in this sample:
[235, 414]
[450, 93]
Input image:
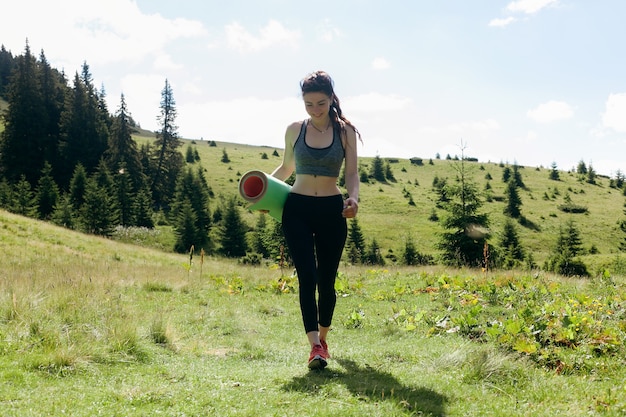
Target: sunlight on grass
[131, 331]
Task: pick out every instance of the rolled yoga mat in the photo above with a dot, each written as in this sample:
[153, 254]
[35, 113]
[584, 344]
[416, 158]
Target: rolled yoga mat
[264, 192]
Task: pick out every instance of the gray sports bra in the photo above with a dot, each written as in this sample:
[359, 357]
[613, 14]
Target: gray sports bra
[318, 161]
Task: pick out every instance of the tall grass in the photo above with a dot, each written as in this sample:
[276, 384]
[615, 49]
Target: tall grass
[91, 326]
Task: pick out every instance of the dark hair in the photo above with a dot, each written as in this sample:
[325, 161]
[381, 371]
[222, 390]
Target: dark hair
[320, 82]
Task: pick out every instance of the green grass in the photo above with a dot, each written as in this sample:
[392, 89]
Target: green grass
[385, 212]
[92, 326]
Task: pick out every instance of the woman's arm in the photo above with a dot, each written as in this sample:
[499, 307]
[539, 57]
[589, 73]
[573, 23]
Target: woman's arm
[286, 168]
[352, 175]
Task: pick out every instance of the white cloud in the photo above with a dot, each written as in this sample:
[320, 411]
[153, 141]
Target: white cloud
[274, 33]
[327, 32]
[529, 6]
[380, 64]
[105, 32]
[614, 116]
[502, 22]
[551, 111]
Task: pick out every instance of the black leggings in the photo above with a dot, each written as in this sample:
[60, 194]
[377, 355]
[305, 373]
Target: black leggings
[316, 233]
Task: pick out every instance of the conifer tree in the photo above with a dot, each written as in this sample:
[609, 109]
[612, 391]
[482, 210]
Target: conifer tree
[356, 243]
[125, 196]
[258, 241]
[142, 209]
[410, 255]
[554, 172]
[568, 246]
[23, 201]
[23, 138]
[122, 154]
[47, 193]
[167, 160]
[514, 201]
[232, 231]
[465, 228]
[185, 227]
[98, 214]
[377, 170]
[517, 176]
[6, 194]
[193, 189]
[511, 249]
[54, 90]
[275, 243]
[63, 214]
[7, 64]
[78, 183]
[84, 128]
[373, 255]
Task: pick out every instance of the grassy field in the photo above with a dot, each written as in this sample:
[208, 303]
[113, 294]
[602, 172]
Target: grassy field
[91, 326]
[385, 212]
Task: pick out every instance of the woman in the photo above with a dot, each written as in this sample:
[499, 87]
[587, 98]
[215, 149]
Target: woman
[314, 216]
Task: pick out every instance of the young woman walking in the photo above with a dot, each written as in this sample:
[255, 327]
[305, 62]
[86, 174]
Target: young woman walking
[315, 213]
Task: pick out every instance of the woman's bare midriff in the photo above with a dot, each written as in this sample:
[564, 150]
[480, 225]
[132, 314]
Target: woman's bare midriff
[315, 185]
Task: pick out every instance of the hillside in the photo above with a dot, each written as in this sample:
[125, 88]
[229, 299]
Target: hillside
[385, 212]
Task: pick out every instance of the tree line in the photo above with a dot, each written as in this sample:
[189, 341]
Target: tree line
[65, 158]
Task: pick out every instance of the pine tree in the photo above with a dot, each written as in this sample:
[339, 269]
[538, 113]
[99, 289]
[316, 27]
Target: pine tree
[63, 214]
[466, 231]
[78, 183]
[554, 172]
[275, 243]
[84, 126]
[591, 175]
[142, 209]
[514, 201]
[511, 249]
[47, 193]
[122, 155]
[167, 160]
[24, 201]
[258, 241]
[22, 141]
[373, 255]
[185, 227]
[98, 214]
[568, 246]
[54, 90]
[410, 255]
[125, 196]
[6, 194]
[356, 243]
[232, 231]
[389, 173]
[377, 170]
[193, 189]
[517, 176]
[7, 65]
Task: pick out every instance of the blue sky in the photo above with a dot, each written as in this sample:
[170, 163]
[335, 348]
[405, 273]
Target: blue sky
[527, 81]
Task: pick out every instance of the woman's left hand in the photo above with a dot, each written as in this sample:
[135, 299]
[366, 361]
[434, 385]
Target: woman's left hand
[350, 208]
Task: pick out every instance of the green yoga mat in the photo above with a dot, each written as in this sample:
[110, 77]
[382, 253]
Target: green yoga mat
[264, 192]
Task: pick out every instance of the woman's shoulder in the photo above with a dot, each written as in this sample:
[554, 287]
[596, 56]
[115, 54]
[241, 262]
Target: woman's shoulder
[297, 125]
[294, 128]
[293, 131]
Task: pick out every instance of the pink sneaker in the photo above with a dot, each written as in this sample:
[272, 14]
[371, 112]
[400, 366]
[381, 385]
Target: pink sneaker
[325, 346]
[318, 357]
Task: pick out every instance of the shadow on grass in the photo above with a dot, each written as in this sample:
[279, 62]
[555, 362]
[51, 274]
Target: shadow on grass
[372, 385]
